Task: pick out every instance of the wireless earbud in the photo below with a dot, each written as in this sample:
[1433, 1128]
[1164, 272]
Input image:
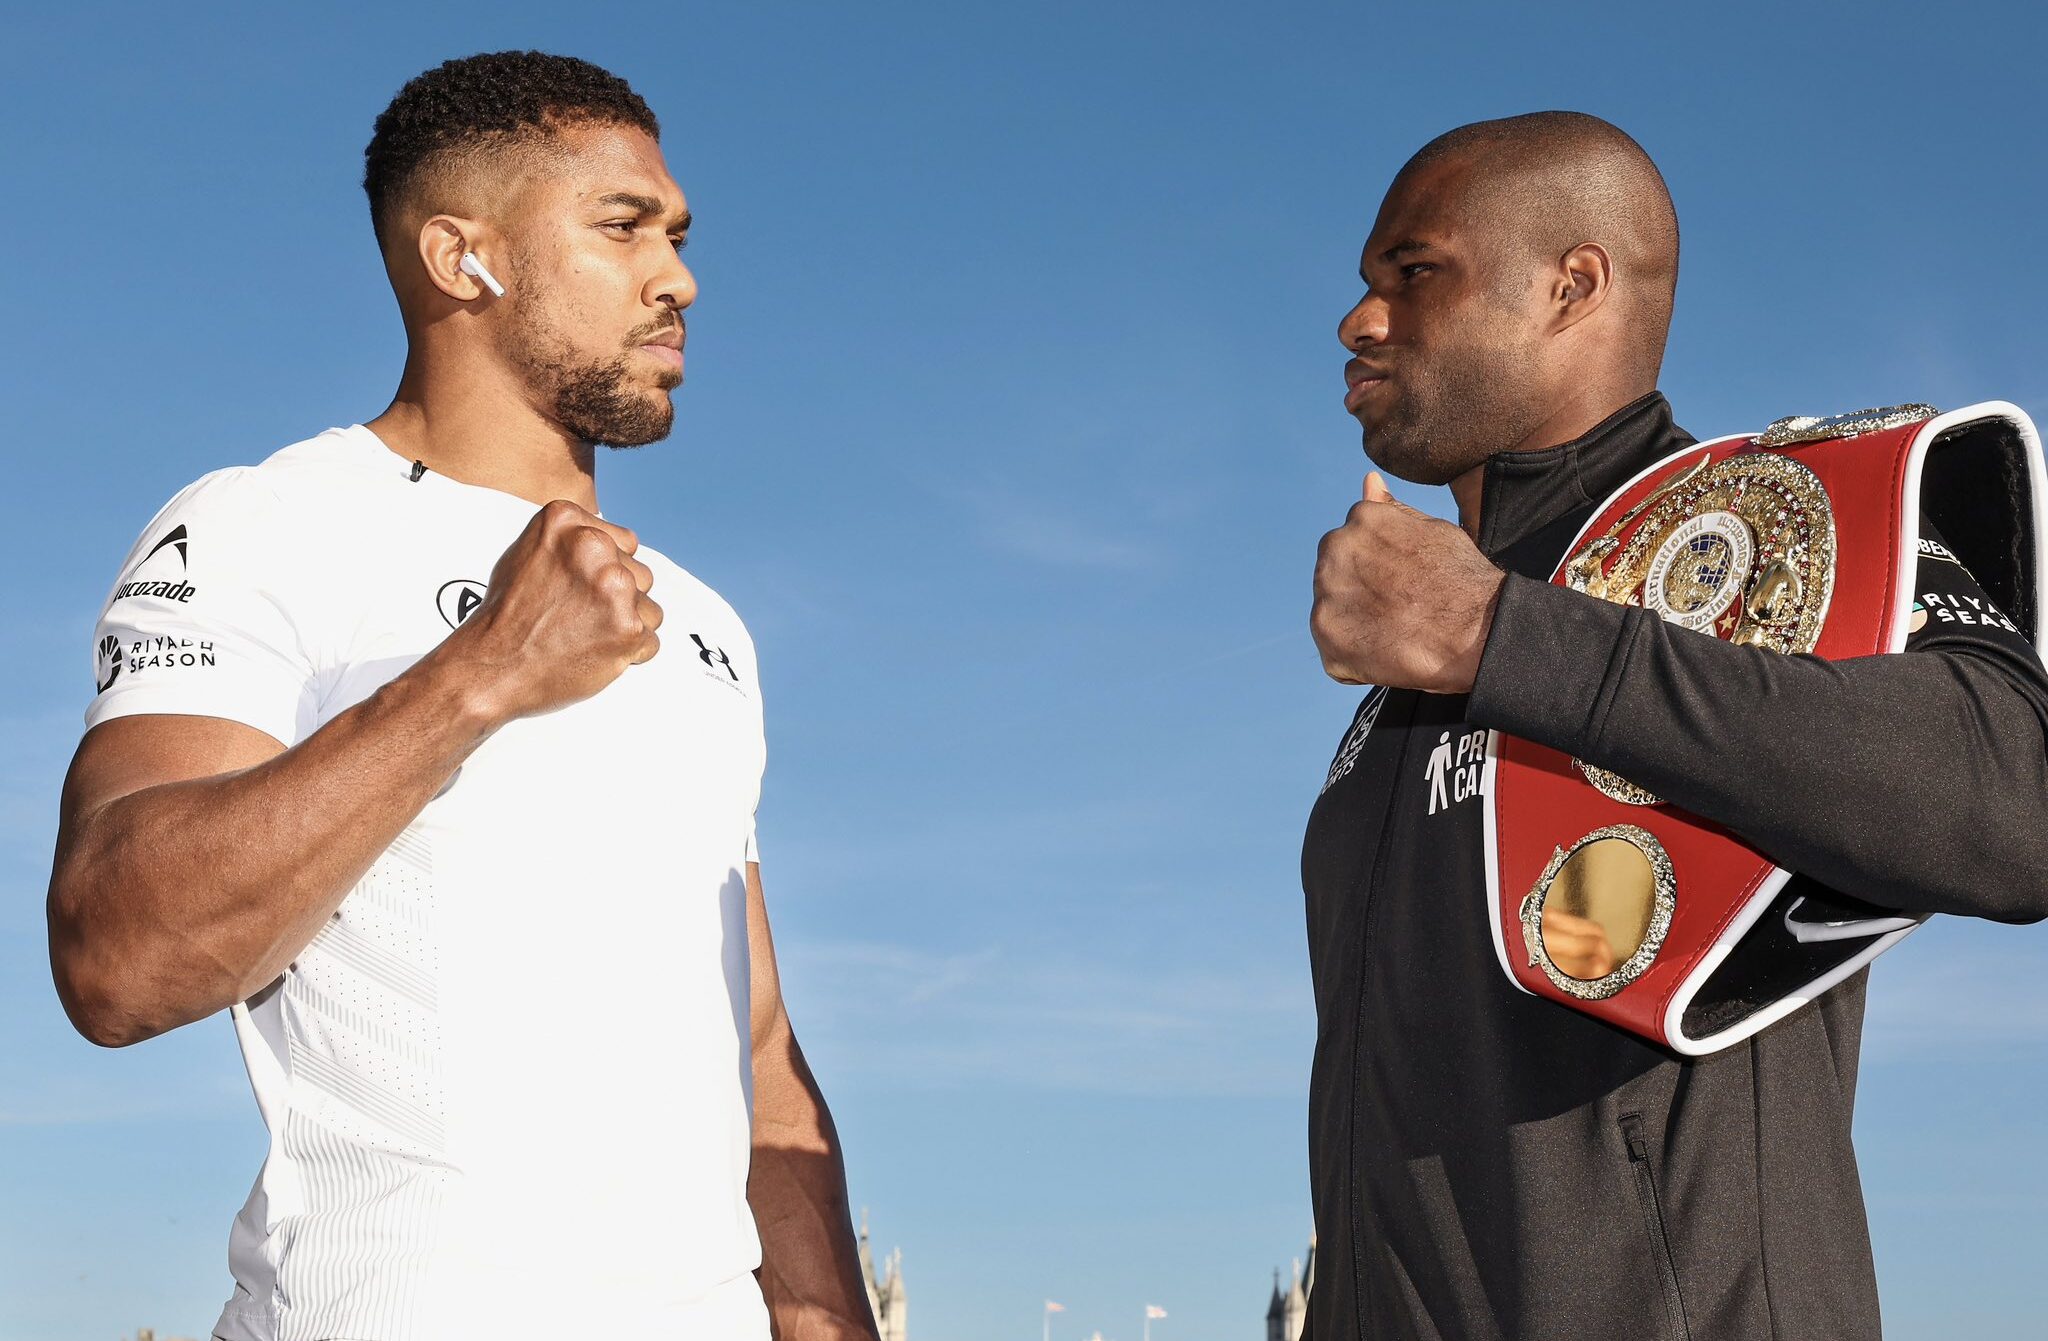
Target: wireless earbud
[470, 265]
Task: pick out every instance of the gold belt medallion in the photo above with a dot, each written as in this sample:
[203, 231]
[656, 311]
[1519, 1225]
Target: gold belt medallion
[1743, 549]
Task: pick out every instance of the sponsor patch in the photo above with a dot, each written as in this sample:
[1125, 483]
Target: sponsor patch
[107, 663]
[1354, 739]
[1934, 549]
[146, 654]
[1453, 772]
[716, 663]
[156, 575]
[1975, 611]
[459, 599]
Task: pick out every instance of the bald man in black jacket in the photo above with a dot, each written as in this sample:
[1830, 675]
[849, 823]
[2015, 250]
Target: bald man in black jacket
[1487, 1164]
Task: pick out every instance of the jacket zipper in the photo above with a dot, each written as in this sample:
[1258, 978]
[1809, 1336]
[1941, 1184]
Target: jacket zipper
[1653, 1216]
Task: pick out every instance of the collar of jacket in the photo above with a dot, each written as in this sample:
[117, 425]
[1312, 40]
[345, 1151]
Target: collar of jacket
[1527, 493]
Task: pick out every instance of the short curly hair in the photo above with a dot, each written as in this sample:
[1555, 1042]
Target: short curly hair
[485, 101]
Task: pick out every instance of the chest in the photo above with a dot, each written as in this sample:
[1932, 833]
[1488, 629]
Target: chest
[678, 735]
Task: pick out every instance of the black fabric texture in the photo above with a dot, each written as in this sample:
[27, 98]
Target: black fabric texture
[1487, 1164]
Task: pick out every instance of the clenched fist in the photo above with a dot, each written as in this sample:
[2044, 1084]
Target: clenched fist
[1401, 599]
[566, 612]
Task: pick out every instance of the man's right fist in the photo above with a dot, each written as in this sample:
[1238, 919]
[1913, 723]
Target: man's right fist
[567, 611]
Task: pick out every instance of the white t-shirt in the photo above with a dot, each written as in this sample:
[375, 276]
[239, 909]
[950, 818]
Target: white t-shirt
[508, 1085]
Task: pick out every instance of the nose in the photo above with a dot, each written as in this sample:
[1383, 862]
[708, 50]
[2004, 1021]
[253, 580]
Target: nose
[675, 288]
[1364, 325]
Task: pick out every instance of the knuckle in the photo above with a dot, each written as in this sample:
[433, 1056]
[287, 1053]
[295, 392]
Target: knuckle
[1358, 513]
[588, 545]
[560, 512]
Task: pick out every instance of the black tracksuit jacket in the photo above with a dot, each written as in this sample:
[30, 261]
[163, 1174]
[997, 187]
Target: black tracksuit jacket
[1487, 1164]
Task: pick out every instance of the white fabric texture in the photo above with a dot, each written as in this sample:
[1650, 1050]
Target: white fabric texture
[508, 1085]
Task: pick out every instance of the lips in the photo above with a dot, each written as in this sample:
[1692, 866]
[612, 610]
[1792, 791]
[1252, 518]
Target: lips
[1360, 381]
[667, 354]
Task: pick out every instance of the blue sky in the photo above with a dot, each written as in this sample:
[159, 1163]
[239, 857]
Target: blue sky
[1013, 419]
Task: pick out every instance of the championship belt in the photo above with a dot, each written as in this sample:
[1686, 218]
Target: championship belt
[1802, 539]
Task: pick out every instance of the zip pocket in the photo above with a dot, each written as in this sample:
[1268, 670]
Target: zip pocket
[1653, 1218]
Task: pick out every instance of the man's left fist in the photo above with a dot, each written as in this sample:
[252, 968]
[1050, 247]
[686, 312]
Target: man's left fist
[1402, 599]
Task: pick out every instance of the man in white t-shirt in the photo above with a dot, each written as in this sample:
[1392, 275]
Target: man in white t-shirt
[389, 760]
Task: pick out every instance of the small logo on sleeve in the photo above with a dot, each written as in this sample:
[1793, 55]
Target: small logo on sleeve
[107, 663]
[1934, 549]
[154, 576]
[1966, 610]
[715, 660]
[164, 653]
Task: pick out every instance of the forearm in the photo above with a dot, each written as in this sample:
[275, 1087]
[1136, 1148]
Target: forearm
[175, 901]
[810, 1268]
[1918, 781]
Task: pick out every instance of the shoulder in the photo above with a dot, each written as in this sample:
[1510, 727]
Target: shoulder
[251, 528]
[677, 588]
[311, 476]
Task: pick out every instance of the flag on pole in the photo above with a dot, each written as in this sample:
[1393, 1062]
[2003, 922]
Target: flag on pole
[1154, 1311]
[1051, 1307]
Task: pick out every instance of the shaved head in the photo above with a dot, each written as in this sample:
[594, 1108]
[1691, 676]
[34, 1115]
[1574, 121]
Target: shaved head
[1520, 278]
[1548, 181]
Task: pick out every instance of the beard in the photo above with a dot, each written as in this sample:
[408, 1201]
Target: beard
[597, 403]
[594, 400]
[1451, 411]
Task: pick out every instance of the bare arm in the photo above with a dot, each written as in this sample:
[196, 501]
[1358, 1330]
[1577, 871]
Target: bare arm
[810, 1267]
[197, 856]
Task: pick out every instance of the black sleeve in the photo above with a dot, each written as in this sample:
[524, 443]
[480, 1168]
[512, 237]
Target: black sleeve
[1917, 781]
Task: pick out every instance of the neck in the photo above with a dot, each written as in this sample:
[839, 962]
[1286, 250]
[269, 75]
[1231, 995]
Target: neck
[1575, 416]
[474, 423]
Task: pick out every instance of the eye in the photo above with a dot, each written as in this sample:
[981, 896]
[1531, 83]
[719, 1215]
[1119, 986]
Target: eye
[679, 242]
[1414, 268]
[620, 227]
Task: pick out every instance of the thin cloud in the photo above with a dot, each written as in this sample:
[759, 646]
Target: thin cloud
[1050, 538]
[1051, 1020]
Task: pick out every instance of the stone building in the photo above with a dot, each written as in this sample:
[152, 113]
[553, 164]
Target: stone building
[1288, 1311]
[885, 1288]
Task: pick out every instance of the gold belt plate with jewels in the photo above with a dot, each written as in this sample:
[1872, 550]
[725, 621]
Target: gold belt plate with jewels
[1743, 549]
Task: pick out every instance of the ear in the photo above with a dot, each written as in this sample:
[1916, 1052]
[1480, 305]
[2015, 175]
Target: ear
[1585, 276]
[443, 240]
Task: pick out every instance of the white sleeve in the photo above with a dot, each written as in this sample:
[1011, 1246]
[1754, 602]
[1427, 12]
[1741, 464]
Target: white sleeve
[199, 623]
[761, 727]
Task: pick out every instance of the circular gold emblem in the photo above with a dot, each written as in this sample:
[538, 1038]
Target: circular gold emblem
[1599, 913]
[1742, 549]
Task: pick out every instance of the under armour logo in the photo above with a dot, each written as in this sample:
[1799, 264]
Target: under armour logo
[714, 658]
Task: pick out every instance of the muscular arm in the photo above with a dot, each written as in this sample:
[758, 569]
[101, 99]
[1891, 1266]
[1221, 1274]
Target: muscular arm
[1917, 781]
[810, 1268]
[197, 856]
